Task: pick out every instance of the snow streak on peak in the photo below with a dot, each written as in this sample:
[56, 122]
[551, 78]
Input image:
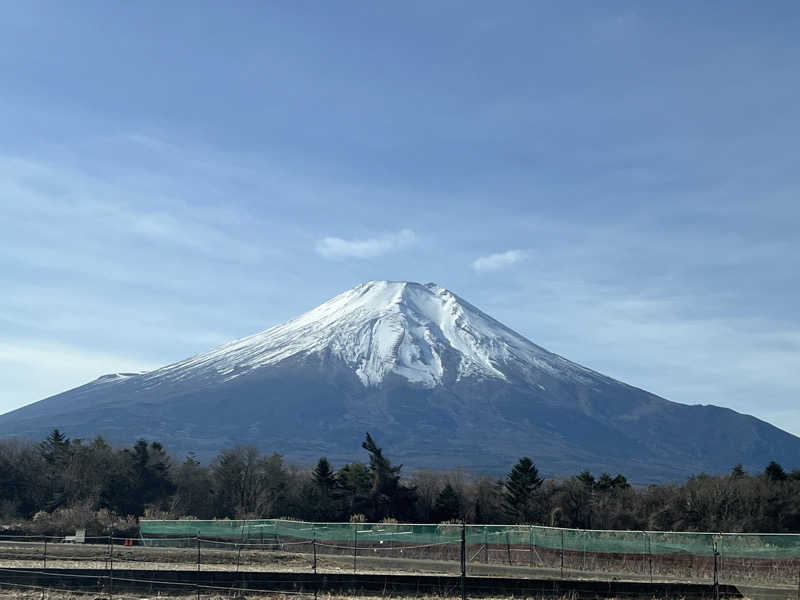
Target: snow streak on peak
[117, 376]
[420, 332]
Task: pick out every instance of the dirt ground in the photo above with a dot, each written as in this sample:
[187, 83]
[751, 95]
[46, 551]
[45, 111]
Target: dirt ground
[66, 595]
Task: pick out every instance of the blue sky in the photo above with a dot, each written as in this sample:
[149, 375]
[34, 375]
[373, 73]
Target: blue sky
[616, 181]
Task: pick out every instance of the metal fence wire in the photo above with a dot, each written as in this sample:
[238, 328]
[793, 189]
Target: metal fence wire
[563, 552]
[506, 551]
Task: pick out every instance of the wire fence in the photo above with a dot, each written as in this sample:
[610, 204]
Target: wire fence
[511, 551]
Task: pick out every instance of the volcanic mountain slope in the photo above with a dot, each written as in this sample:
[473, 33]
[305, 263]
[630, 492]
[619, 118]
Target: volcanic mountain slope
[439, 383]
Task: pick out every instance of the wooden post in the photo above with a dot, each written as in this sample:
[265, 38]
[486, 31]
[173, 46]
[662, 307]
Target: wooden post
[584, 549]
[562, 554]
[314, 545]
[45, 552]
[355, 546]
[197, 543]
[530, 546]
[238, 556]
[508, 547]
[716, 572]
[463, 561]
[485, 546]
[111, 566]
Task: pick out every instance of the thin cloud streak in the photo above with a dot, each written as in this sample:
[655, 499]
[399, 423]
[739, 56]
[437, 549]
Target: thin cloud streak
[47, 368]
[338, 248]
[500, 260]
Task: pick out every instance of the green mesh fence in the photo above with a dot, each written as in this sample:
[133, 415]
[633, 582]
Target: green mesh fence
[532, 538]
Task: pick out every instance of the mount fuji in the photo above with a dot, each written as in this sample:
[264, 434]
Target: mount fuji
[437, 382]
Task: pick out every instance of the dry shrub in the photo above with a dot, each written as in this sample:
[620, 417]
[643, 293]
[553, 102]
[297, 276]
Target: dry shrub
[358, 518]
[154, 514]
[65, 521]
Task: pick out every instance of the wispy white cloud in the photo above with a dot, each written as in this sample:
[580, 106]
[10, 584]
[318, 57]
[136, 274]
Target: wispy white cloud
[500, 260]
[336, 248]
[45, 368]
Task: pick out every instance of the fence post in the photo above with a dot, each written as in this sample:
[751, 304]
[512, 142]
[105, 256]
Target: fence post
[644, 551]
[584, 535]
[197, 543]
[562, 554]
[45, 552]
[485, 546]
[650, 555]
[238, 556]
[716, 572]
[314, 546]
[463, 559]
[508, 547]
[110, 566]
[355, 546]
[530, 546]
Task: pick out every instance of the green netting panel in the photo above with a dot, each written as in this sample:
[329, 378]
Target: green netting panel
[269, 529]
[768, 546]
[759, 545]
[670, 542]
[609, 542]
[511, 535]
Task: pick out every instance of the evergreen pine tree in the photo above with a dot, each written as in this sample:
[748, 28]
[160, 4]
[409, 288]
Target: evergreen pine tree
[323, 475]
[56, 452]
[355, 480]
[587, 479]
[447, 506]
[775, 472]
[55, 448]
[389, 498]
[520, 486]
[478, 516]
[326, 491]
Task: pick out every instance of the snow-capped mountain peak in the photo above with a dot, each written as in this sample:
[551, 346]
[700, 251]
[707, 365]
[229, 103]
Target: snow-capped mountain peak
[420, 332]
[416, 365]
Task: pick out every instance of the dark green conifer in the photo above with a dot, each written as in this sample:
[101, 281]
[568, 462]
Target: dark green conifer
[389, 497]
[775, 472]
[520, 486]
[447, 506]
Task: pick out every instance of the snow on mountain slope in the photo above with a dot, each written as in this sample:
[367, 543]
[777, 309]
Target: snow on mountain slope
[419, 332]
[112, 377]
[312, 386]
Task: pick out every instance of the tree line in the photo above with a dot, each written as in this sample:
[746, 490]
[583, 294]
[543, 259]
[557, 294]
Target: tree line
[59, 476]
